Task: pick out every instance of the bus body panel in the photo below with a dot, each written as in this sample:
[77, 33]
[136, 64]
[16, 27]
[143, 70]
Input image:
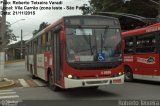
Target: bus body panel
[31, 69]
[129, 61]
[146, 65]
[105, 75]
[138, 64]
[73, 83]
[40, 66]
[92, 73]
[48, 64]
[31, 59]
[26, 62]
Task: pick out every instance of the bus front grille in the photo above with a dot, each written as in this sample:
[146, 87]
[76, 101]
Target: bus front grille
[96, 82]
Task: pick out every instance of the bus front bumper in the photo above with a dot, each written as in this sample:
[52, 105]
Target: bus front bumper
[74, 83]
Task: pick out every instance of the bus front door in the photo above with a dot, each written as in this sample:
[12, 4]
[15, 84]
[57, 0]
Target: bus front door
[57, 57]
[35, 59]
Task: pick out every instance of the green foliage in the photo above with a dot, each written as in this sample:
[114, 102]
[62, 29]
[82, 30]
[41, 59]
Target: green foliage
[144, 8]
[9, 34]
[41, 27]
[35, 32]
[86, 9]
[109, 5]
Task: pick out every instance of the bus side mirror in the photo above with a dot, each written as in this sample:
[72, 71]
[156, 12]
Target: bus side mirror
[63, 36]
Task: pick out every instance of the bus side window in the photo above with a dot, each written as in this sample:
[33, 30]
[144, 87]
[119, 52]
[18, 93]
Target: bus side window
[145, 43]
[129, 45]
[30, 48]
[39, 44]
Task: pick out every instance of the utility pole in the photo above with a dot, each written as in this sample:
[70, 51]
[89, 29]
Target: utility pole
[21, 44]
[2, 35]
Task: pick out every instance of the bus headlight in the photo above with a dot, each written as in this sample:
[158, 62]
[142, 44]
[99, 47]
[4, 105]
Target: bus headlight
[120, 73]
[70, 76]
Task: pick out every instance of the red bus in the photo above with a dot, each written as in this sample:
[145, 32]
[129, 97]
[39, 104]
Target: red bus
[142, 53]
[77, 51]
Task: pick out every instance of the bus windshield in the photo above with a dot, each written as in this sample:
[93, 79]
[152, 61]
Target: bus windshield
[93, 45]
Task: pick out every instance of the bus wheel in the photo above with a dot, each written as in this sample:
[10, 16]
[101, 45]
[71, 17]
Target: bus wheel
[128, 76]
[51, 83]
[34, 77]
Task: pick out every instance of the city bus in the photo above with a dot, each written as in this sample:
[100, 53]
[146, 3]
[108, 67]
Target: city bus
[77, 51]
[142, 53]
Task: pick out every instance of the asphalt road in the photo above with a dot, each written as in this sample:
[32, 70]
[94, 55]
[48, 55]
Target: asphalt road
[137, 90]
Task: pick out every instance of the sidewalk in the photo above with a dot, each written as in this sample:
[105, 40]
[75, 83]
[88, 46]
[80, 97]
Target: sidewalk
[5, 82]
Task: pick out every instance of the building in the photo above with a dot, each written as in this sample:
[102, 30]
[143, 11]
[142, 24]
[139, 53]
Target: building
[13, 51]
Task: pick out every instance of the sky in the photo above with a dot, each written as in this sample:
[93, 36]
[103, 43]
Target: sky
[28, 23]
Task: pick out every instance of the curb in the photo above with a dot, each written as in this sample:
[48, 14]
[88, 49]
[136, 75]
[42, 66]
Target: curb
[11, 83]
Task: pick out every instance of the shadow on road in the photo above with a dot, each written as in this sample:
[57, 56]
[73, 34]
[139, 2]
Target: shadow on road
[87, 93]
[146, 82]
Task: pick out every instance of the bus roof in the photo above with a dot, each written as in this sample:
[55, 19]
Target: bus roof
[148, 29]
[60, 21]
[90, 16]
[46, 29]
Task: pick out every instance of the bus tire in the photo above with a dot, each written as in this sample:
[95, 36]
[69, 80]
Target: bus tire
[94, 87]
[34, 77]
[51, 84]
[128, 74]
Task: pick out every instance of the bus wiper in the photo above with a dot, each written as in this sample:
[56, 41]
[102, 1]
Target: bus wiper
[95, 41]
[88, 40]
[90, 45]
[101, 42]
[103, 37]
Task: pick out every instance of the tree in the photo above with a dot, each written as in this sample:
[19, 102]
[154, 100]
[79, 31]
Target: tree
[41, 27]
[9, 36]
[35, 32]
[144, 8]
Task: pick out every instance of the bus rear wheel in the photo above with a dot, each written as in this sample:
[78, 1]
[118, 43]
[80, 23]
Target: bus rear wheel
[128, 76]
[34, 77]
[51, 84]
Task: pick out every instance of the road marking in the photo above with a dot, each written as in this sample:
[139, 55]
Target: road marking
[9, 97]
[6, 79]
[31, 83]
[6, 93]
[23, 83]
[39, 83]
